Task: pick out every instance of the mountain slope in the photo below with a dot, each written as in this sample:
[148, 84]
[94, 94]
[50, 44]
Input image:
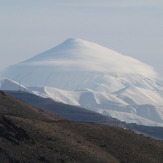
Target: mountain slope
[114, 105]
[83, 115]
[11, 85]
[39, 136]
[120, 105]
[6, 84]
[76, 64]
[118, 85]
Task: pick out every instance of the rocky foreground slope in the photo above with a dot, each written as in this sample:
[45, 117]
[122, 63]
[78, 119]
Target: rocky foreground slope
[29, 134]
[83, 115]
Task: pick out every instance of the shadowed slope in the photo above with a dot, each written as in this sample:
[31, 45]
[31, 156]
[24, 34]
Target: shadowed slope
[29, 134]
[79, 114]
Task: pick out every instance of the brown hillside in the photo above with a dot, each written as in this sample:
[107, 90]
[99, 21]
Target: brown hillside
[29, 134]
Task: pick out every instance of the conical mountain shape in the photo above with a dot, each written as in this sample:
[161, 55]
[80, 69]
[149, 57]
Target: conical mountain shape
[78, 55]
[77, 64]
[86, 74]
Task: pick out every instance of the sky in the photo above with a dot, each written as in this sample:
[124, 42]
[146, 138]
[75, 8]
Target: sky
[130, 27]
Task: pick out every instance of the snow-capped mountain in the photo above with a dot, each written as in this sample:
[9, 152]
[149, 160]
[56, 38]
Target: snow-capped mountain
[83, 73]
[77, 64]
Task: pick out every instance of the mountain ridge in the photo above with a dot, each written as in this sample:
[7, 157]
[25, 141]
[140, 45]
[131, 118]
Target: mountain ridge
[83, 115]
[39, 136]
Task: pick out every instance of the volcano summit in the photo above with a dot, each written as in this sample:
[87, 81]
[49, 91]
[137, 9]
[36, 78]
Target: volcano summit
[78, 64]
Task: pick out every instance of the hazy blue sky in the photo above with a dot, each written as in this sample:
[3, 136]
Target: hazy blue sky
[131, 27]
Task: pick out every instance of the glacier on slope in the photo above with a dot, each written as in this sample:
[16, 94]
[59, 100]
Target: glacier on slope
[86, 74]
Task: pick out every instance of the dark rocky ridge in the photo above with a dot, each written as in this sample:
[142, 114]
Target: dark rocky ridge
[84, 115]
[30, 134]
